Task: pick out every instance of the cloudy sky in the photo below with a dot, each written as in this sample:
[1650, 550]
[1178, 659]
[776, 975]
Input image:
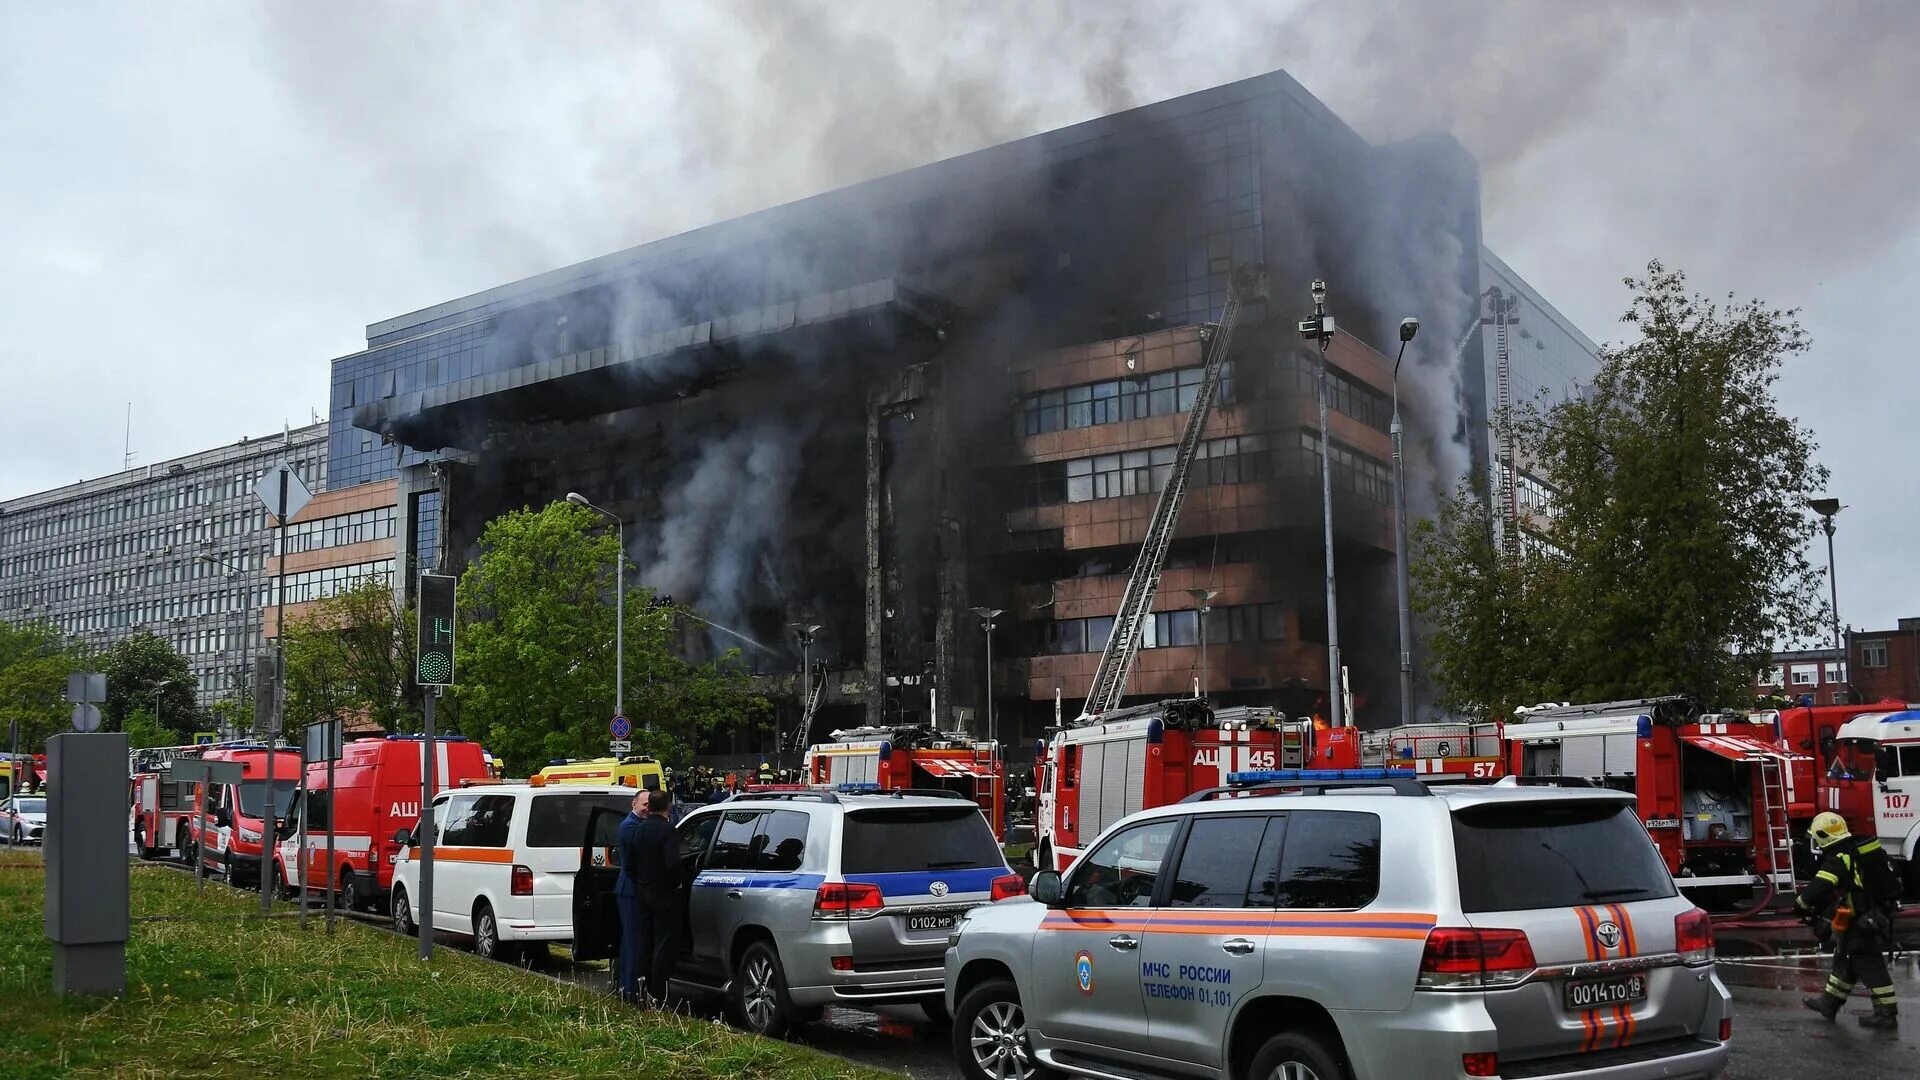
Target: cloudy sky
[201, 204]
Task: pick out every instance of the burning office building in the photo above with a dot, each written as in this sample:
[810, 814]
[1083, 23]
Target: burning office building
[879, 408]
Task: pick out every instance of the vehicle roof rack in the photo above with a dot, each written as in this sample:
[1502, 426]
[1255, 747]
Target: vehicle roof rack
[1312, 782]
[775, 796]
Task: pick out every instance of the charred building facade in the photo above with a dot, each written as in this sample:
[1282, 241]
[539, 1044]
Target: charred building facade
[960, 386]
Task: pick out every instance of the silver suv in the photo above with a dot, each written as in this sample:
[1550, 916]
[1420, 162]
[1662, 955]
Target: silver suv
[807, 898]
[1358, 925]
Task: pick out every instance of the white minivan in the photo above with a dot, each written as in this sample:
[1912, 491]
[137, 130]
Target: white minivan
[504, 860]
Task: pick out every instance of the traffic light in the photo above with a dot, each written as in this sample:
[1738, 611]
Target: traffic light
[433, 664]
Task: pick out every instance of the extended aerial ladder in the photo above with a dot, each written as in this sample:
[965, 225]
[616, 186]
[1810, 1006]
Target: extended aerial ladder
[1123, 643]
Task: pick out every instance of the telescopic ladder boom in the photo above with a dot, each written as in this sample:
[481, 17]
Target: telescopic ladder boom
[1123, 643]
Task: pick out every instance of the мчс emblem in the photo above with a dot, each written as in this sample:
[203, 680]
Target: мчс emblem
[1083, 971]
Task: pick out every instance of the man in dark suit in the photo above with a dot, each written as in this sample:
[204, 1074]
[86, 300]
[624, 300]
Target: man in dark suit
[635, 931]
[659, 880]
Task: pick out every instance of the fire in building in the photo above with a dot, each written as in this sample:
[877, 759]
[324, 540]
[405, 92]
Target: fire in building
[960, 387]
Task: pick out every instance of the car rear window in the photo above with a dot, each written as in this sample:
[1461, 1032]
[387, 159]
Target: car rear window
[561, 820]
[1524, 855]
[912, 839]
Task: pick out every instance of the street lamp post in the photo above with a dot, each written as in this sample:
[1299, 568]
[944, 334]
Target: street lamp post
[619, 606]
[805, 632]
[1827, 509]
[1409, 326]
[1320, 328]
[1203, 603]
[987, 615]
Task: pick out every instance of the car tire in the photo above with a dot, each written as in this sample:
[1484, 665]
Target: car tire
[486, 936]
[1298, 1055]
[282, 885]
[403, 923]
[352, 893]
[760, 1002]
[936, 1010]
[990, 1035]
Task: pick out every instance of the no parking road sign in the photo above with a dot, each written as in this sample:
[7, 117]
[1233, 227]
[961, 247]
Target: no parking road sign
[620, 728]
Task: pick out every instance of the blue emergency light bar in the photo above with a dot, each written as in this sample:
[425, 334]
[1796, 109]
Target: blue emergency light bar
[1274, 776]
[855, 789]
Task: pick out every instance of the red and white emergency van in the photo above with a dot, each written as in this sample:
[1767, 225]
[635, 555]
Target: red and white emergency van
[236, 813]
[1092, 774]
[375, 794]
[1718, 792]
[913, 757]
[1876, 778]
[160, 806]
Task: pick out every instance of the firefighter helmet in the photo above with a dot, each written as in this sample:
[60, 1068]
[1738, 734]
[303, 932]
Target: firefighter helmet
[1828, 829]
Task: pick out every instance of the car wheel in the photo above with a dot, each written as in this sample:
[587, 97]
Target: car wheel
[1297, 1055]
[351, 893]
[990, 1034]
[403, 914]
[486, 936]
[936, 1010]
[760, 1003]
[282, 885]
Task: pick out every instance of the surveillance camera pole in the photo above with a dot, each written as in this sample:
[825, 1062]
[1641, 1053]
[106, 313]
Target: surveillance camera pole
[1408, 328]
[1323, 333]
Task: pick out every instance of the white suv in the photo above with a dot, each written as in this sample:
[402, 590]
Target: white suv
[504, 860]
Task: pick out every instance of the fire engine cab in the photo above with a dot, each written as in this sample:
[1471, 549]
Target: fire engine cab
[1092, 774]
[160, 806]
[1877, 768]
[899, 758]
[375, 794]
[1718, 793]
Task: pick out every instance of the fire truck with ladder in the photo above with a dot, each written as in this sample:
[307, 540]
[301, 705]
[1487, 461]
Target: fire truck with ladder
[1112, 761]
[1718, 792]
[161, 806]
[902, 757]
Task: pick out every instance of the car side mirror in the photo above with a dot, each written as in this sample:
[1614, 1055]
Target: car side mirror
[403, 837]
[1046, 888]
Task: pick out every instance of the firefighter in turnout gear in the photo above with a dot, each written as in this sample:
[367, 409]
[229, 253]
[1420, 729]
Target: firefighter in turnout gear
[1858, 886]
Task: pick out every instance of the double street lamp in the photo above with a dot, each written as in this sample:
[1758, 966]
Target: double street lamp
[619, 603]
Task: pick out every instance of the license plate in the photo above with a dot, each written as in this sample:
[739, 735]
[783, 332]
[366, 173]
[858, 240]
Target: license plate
[1598, 993]
[932, 922]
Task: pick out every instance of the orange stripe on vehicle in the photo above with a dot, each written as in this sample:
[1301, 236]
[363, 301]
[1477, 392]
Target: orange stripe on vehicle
[1587, 925]
[1591, 1021]
[1626, 927]
[474, 854]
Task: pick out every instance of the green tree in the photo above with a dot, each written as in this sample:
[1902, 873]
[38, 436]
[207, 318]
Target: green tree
[1675, 556]
[145, 672]
[143, 730]
[351, 655]
[35, 660]
[534, 661]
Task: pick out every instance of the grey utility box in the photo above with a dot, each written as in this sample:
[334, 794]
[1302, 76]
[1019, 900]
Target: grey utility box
[86, 853]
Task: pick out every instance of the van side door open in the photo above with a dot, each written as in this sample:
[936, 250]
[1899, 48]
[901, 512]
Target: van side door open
[596, 915]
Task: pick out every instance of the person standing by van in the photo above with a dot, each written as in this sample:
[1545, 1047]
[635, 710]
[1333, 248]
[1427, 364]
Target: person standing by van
[635, 931]
[657, 873]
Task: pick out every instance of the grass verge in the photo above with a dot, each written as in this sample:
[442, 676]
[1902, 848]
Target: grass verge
[215, 991]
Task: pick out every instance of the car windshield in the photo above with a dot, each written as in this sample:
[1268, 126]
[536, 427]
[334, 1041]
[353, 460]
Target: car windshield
[560, 821]
[1520, 856]
[30, 806]
[253, 797]
[915, 839]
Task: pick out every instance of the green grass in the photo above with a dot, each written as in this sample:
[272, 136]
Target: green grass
[215, 991]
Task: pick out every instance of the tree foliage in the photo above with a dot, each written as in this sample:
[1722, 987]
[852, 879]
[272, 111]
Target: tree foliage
[1675, 557]
[35, 660]
[351, 656]
[535, 655]
[144, 671]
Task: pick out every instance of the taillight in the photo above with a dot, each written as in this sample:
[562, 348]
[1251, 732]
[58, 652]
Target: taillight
[522, 881]
[843, 963]
[1693, 937]
[846, 900]
[1465, 958]
[1009, 885]
[1480, 1064]
[1726, 1028]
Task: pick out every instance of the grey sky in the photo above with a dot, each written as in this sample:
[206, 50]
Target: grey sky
[200, 205]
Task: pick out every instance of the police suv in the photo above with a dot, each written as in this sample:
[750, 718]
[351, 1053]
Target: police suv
[1334, 925]
[807, 897]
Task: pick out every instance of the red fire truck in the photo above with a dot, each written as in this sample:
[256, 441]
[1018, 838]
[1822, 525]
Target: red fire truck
[909, 756]
[1436, 752]
[1718, 792]
[1091, 775]
[236, 813]
[375, 793]
[160, 806]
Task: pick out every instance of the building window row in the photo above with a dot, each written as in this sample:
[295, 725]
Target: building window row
[112, 508]
[1164, 629]
[337, 531]
[203, 531]
[1115, 400]
[125, 582]
[1237, 459]
[1345, 394]
[310, 585]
